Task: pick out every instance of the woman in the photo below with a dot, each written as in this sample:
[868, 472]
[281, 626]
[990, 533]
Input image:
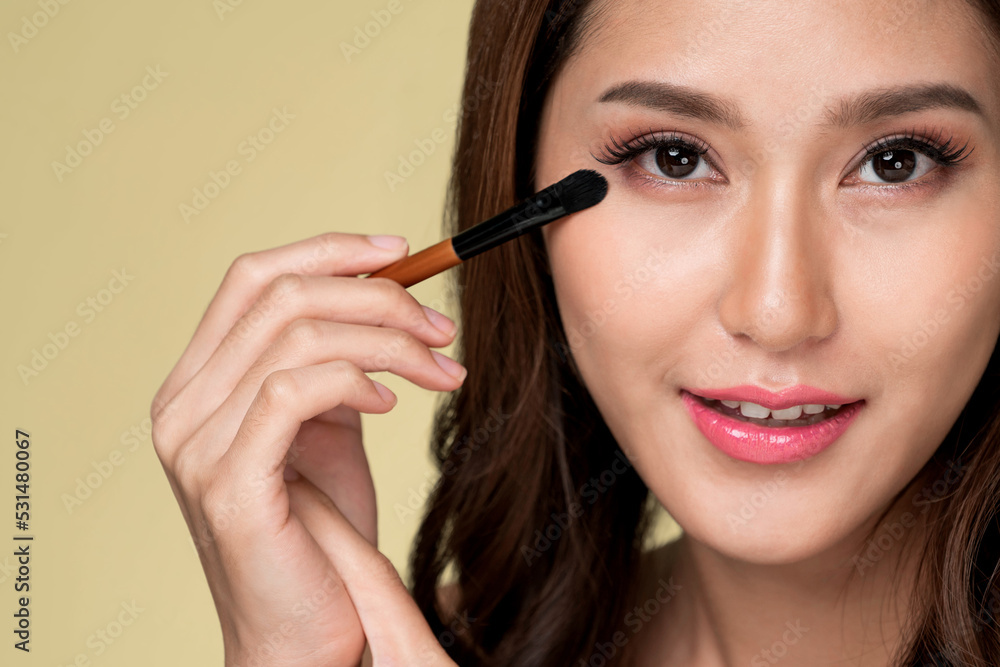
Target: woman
[802, 229]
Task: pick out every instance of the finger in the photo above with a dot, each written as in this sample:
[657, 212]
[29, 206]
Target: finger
[285, 400]
[260, 556]
[378, 303]
[396, 630]
[327, 254]
[308, 343]
[332, 457]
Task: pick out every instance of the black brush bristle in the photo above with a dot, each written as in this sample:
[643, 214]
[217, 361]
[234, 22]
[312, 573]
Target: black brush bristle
[581, 189]
[578, 191]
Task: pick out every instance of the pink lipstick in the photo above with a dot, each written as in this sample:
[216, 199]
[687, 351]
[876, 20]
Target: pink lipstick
[791, 425]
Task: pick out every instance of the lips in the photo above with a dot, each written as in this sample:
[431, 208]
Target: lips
[786, 398]
[771, 440]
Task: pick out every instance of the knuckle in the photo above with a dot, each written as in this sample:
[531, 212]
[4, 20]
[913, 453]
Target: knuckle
[328, 243]
[278, 389]
[393, 294]
[157, 405]
[283, 287]
[303, 333]
[202, 535]
[351, 377]
[181, 468]
[383, 571]
[398, 343]
[216, 508]
[184, 470]
[245, 267]
[162, 434]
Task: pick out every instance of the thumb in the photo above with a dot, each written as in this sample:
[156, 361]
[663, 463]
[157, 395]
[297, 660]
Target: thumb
[396, 630]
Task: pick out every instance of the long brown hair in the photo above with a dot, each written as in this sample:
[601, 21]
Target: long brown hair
[535, 508]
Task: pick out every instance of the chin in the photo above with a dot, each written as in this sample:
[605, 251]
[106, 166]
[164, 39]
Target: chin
[771, 537]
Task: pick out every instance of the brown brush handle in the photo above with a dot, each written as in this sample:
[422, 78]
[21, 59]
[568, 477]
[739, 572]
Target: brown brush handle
[420, 265]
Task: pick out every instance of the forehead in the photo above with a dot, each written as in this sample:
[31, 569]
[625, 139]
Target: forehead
[760, 51]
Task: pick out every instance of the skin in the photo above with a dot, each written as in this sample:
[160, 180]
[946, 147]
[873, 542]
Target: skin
[780, 267]
[258, 429]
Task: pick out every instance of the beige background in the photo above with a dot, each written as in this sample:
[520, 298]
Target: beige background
[224, 67]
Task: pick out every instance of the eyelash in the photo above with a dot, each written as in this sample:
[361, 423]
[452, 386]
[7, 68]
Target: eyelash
[617, 152]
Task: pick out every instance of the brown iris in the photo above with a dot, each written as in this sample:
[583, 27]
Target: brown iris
[894, 166]
[676, 161]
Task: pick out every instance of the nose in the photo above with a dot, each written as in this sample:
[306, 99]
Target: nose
[779, 294]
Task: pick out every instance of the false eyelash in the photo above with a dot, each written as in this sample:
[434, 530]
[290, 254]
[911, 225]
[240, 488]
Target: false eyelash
[618, 152]
[942, 153]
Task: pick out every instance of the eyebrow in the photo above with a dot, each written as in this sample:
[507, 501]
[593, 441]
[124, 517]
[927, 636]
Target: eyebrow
[861, 109]
[676, 99]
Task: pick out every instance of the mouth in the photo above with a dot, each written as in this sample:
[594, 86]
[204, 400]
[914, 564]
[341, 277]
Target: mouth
[809, 414]
[752, 432]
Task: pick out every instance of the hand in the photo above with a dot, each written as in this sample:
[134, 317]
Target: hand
[271, 384]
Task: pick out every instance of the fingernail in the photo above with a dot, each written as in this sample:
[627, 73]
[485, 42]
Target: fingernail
[384, 392]
[441, 322]
[450, 366]
[387, 241]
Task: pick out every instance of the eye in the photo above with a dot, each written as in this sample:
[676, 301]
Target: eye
[907, 158]
[674, 161]
[666, 156]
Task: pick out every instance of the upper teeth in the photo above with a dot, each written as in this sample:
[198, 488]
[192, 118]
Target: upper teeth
[755, 411]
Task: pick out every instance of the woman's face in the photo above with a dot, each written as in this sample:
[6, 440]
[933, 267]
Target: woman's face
[781, 257]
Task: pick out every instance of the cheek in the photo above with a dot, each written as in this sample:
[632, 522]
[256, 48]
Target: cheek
[918, 309]
[926, 313]
[628, 300]
[935, 348]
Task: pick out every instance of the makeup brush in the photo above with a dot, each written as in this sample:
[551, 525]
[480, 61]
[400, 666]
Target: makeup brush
[581, 189]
